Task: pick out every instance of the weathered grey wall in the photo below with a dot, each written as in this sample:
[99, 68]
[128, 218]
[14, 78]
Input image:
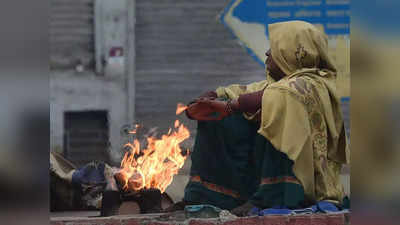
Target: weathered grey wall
[84, 92]
[71, 33]
[182, 50]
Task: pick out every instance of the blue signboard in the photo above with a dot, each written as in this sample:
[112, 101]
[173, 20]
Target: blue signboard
[334, 15]
[248, 19]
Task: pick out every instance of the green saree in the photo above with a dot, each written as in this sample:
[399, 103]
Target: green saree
[232, 164]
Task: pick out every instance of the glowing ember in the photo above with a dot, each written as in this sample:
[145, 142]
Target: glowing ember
[155, 166]
[180, 108]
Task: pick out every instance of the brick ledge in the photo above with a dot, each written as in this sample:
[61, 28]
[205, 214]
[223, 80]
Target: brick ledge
[313, 219]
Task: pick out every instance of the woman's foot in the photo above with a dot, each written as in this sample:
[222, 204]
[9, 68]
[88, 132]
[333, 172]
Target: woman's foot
[243, 210]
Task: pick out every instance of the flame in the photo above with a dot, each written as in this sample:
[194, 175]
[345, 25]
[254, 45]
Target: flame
[154, 166]
[180, 108]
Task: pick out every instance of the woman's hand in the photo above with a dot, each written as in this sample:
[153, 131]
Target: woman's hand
[199, 111]
[204, 107]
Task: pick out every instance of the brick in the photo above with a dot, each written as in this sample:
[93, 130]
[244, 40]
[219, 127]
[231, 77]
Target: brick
[275, 220]
[245, 221]
[77, 222]
[347, 218]
[111, 222]
[131, 221]
[337, 219]
[102, 221]
[201, 222]
[86, 221]
[56, 222]
[319, 220]
[158, 223]
[300, 220]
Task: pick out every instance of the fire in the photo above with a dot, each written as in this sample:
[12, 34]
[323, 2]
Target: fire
[155, 165]
[180, 108]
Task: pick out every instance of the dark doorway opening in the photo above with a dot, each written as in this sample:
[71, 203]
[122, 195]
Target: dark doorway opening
[86, 136]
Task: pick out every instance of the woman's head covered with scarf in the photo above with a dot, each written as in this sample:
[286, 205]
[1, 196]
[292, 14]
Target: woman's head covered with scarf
[297, 45]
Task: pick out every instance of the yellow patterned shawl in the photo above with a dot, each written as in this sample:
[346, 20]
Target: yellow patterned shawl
[301, 113]
[233, 91]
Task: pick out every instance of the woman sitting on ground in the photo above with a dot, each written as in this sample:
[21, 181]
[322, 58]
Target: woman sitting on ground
[275, 143]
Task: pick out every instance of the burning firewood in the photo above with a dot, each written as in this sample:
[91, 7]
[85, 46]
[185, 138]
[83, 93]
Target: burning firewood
[155, 165]
[112, 198]
[145, 173]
